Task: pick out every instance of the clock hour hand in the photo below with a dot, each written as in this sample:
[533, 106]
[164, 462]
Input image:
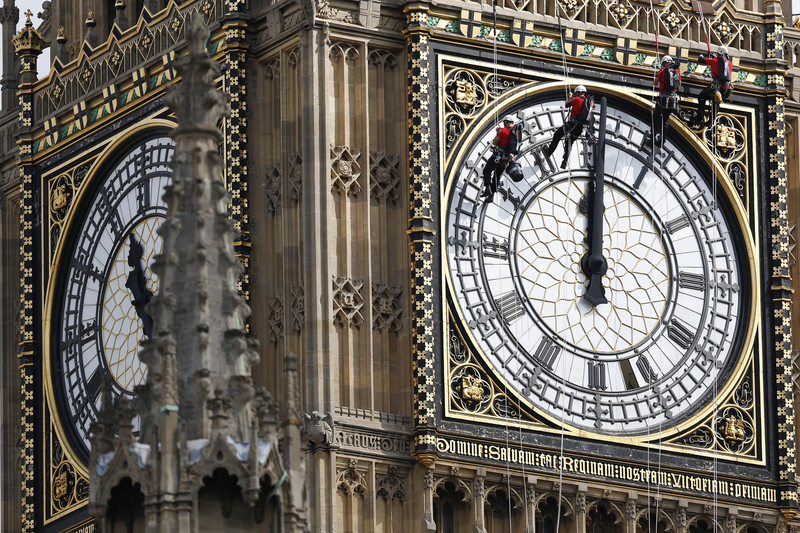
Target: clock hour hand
[594, 263]
[138, 285]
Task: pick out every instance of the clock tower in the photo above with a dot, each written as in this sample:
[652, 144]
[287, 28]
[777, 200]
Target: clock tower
[603, 346]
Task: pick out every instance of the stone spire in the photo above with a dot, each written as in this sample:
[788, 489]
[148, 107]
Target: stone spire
[205, 430]
[121, 20]
[62, 53]
[91, 37]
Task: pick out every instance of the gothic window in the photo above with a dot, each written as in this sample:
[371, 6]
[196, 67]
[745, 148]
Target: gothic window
[648, 523]
[702, 525]
[547, 516]
[449, 510]
[600, 519]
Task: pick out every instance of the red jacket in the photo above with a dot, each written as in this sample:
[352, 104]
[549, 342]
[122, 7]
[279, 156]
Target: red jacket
[577, 106]
[713, 62]
[503, 136]
[660, 78]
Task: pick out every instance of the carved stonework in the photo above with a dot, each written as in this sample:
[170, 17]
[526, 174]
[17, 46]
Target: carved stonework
[387, 309]
[350, 481]
[345, 170]
[384, 176]
[680, 518]
[344, 51]
[298, 308]
[295, 176]
[273, 188]
[347, 301]
[275, 319]
[630, 509]
[390, 487]
[730, 523]
[385, 444]
[318, 428]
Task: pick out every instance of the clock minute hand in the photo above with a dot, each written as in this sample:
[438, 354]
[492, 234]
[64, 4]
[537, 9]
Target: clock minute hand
[593, 262]
[138, 286]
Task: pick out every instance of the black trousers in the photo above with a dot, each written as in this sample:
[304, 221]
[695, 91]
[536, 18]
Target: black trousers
[493, 170]
[574, 130]
[708, 95]
[664, 108]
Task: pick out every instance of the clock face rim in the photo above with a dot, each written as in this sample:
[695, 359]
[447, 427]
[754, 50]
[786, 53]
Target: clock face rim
[689, 147]
[117, 148]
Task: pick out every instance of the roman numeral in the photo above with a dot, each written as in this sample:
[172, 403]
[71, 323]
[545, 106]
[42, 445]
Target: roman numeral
[495, 248]
[86, 270]
[691, 281]
[680, 333]
[547, 352]
[94, 384]
[674, 226]
[643, 364]
[597, 375]
[510, 307]
[143, 196]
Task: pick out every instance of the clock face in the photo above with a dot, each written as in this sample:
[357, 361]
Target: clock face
[108, 282]
[675, 284]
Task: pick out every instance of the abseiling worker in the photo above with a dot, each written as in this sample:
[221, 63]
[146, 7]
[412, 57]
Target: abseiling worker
[499, 160]
[720, 87]
[573, 126]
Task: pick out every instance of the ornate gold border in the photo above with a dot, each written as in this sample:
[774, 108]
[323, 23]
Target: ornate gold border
[531, 89]
[48, 321]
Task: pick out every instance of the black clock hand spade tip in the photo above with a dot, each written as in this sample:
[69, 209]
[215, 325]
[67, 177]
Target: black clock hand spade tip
[594, 263]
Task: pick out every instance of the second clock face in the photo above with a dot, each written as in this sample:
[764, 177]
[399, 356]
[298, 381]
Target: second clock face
[675, 282]
[108, 281]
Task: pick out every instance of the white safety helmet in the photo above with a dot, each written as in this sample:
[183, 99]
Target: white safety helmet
[722, 50]
[666, 59]
[580, 89]
[508, 118]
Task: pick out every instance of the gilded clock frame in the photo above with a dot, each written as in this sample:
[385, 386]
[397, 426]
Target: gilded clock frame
[540, 421]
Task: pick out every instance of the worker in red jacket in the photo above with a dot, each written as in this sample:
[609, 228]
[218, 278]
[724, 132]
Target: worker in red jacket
[499, 159]
[668, 102]
[574, 125]
[720, 87]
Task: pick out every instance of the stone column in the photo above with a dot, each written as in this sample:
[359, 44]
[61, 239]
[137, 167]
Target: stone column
[422, 230]
[530, 503]
[477, 500]
[9, 16]
[780, 285]
[427, 485]
[630, 512]
[680, 516]
[580, 508]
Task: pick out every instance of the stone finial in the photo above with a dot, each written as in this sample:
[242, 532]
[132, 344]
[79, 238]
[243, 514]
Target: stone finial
[62, 53]
[196, 101]
[103, 428]
[123, 415]
[219, 406]
[28, 41]
[91, 37]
